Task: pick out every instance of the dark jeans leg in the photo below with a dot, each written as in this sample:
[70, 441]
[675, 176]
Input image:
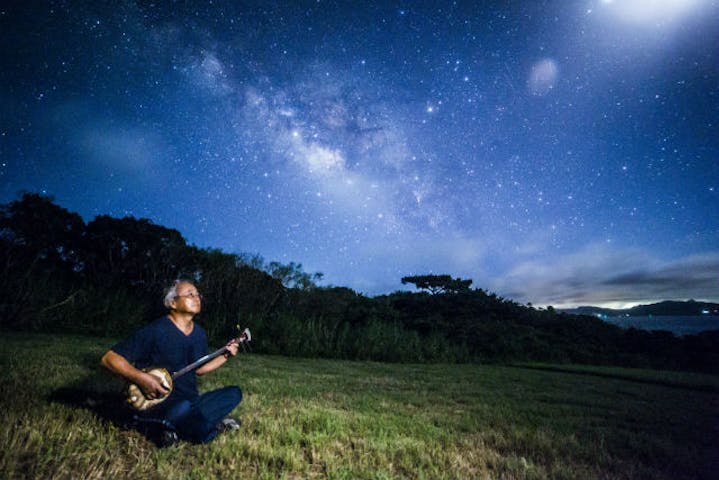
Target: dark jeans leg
[178, 410]
[198, 424]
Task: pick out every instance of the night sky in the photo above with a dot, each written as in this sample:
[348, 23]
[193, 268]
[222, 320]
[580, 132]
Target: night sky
[556, 152]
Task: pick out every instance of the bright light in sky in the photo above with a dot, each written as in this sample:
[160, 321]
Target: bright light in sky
[650, 12]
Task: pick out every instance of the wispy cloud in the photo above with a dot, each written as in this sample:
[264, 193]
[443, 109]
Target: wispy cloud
[207, 72]
[599, 276]
[121, 149]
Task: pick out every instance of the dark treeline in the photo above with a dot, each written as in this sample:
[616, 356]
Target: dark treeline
[106, 277]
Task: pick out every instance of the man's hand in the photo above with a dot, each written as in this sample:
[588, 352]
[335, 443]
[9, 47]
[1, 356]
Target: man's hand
[232, 347]
[152, 386]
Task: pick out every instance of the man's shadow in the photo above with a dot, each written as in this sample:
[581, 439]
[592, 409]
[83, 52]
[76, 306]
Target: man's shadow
[103, 395]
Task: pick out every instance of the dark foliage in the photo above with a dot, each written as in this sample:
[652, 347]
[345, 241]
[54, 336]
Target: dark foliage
[107, 277]
[438, 283]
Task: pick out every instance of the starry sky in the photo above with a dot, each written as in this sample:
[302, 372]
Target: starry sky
[556, 152]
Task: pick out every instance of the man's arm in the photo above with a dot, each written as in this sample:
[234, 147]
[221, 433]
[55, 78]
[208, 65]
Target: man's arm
[215, 363]
[149, 384]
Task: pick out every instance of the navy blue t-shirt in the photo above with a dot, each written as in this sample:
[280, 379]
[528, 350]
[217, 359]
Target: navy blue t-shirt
[161, 344]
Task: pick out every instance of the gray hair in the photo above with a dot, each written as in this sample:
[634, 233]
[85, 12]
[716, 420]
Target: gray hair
[171, 291]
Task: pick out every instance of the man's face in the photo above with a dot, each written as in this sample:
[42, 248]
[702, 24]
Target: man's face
[187, 300]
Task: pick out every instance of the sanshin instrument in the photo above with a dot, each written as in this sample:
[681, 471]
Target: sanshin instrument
[137, 399]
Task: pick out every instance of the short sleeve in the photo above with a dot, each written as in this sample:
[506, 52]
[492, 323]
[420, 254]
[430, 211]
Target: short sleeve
[137, 347]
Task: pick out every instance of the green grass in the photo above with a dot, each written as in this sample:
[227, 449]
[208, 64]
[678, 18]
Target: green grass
[305, 418]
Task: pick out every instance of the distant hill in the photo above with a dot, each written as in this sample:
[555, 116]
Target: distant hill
[669, 307]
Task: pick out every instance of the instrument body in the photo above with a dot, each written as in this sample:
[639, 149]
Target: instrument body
[136, 398]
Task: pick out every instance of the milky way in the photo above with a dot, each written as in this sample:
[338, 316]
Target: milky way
[557, 153]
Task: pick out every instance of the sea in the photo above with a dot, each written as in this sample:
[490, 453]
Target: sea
[679, 325]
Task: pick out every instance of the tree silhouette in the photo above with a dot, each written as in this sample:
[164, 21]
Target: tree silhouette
[41, 232]
[435, 284]
[293, 276]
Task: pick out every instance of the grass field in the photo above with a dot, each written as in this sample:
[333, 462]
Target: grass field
[307, 418]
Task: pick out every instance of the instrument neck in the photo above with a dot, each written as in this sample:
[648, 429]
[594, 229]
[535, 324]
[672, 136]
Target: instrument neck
[198, 363]
[245, 337]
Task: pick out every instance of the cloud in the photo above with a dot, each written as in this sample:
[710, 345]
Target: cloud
[597, 275]
[695, 274]
[124, 149]
[543, 77]
[96, 141]
[207, 72]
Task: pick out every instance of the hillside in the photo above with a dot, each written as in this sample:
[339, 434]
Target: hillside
[668, 307]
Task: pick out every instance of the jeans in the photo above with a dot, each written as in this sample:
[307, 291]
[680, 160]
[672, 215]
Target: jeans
[196, 419]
